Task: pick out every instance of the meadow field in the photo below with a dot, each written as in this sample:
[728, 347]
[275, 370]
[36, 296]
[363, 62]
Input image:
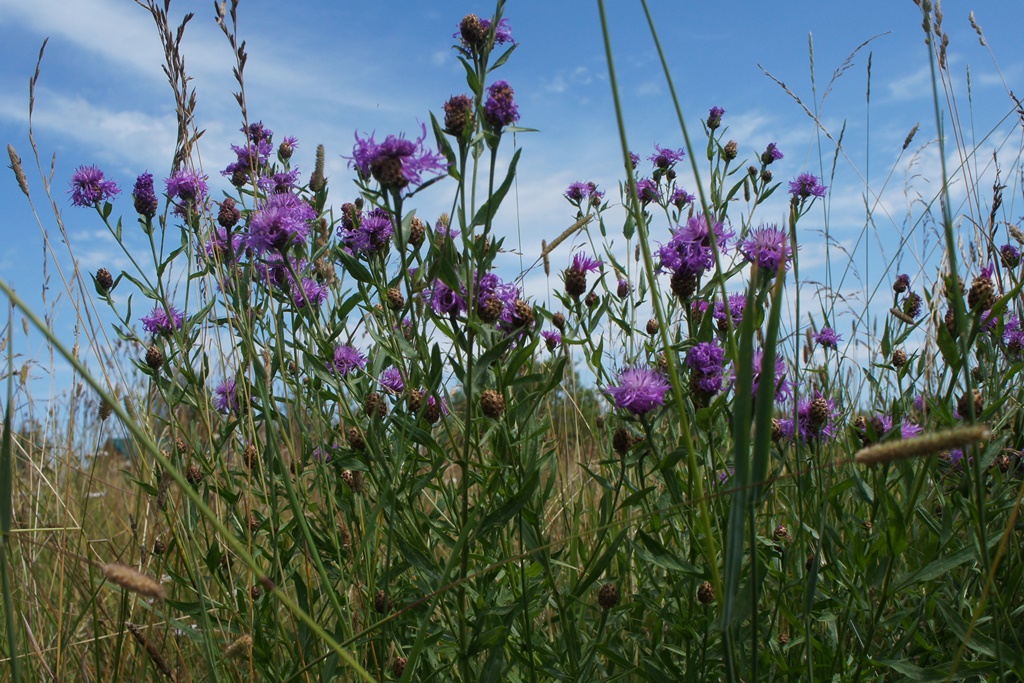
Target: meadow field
[317, 434]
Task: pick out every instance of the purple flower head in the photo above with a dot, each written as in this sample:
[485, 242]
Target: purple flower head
[551, 338]
[391, 380]
[311, 293]
[806, 427]
[144, 196]
[225, 396]
[955, 458]
[689, 250]
[806, 185]
[346, 359]
[989, 321]
[1010, 255]
[396, 162]
[901, 284]
[490, 285]
[470, 38]
[502, 32]
[737, 304]
[639, 390]
[1013, 337]
[159, 322]
[623, 288]
[89, 188]
[276, 270]
[768, 248]
[647, 190]
[772, 153]
[783, 387]
[665, 158]
[371, 234]
[681, 198]
[908, 430]
[828, 338]
[187, 186]
[284, 181]
[715, 117]
[288, 145]
[222, 247]
[253, 156]
[445, 230]
[634, 160]
[579, 191]
[707, 358]
[500, 109]
[444, 300]
[584, 263]
[988, 271]
[279, 222]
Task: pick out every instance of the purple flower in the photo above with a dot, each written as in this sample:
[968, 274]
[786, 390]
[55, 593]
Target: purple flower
[284, 181]
[715, 117]
[279, 222]
[783, 387]
[144, 196]
[647, 190]
[371, 234]
[225, 396]
[346, 359]
[444, 230]
[277, 270]
[584, 263]
[221, 246]
[444, 300]
[1013, 336]
[772, 153]
[623, 288]
[288, 145]
[665, 158]
[396, 162]
[806, 185]
[89, 188]
[579, 191]
[311, 293]
[551, 338]
[159, 322]
[908, 430]
[187, 186]
[955, 458]
[1010, 255]
[706, 361]
[768, 248]
[639, 390]
[810, 425]
[681, 198]
[634, 160]
[391, 379]
[828, 338]
[737, 304]
[689, 250]
[500, 110]
[254, 156]
[502, 32]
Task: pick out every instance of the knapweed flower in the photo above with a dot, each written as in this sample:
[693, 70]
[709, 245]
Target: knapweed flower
[634, 160]
[623, 288]
[283, 181]
[806, 185]
[827, 338]
[500, 109]
[371, 234]
[689, 250]
[901, 283]
[163, 320]
[767, 247]
[715, 118]
[144, 196]
[1010, 255]
[221, 246]
[639, 390]
[458, 116]
[575, 275]
[706, 361]
[737, 304]
[473, 32]
[391, 380]
[253, 157]
[225, 396]
[496, 300]
[783, 387]
[444, 300]
[396, 162]
[664, 158]
[88, 186]
[772, 153]
[311, 293]
[551, 338]
[1013, 336]
[280, 222]
[647, 190]
[816, 419]
[346, 359]
[288, 145]
[188, 187]
[681, 198]
[580, 191]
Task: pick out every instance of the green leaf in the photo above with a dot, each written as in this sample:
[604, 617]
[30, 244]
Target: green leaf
[598, 567]
[490, 207]
[653, 551]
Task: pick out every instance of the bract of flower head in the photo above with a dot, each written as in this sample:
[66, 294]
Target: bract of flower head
[397, 162]
[346, 359]
[472, 32]
[225, 396]
[639, 390]
[88, 186]
[163, 320]
[827, 338]
[664, 158]
[808, 427]
[280, 222]
[806, 185]
[1010, 255]
[767, 247]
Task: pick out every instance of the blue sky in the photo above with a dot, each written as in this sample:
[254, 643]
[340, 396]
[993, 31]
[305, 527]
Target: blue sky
[321, 71]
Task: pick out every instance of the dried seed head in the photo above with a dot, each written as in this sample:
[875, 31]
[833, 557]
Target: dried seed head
[591, 300]
[432, 411]
[558, 320]
[622, 440]
[375, 405]
[492, 403]
[575, 283]
[413, 399]
[382, 603]
[132, 580]
[154, 358]
[899, 358]
[240, 648]
[458, 116]
[398, 668]
[817, 414]
[355, 439]
[353, 479]
[901, 284]
[395, 299]
[608, 596]
[965, 402]
[490, 309]
[194, 475]
[731, 150]
[472, 31]
[228, 215]
[982, 295]
[250, 457]
[706, 593]
[652, 326]
[151, 649]
[417, 232]
[522, 314]
[317, 180]
[19, 171]
[925, 444]
[104, 281]
[684, 284]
